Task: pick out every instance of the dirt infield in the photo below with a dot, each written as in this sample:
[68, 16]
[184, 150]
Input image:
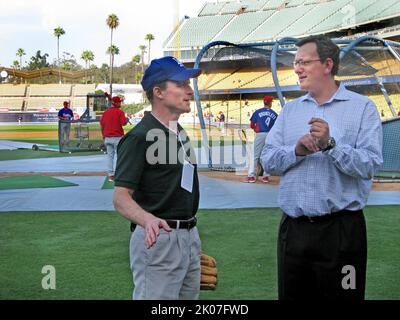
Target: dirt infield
[232, 176]
[228, 176]
[24, 134]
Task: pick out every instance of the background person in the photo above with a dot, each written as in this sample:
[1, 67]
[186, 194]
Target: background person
[65, 114]
[157, 189]
[221, 120]
[112, 122]
[327, 146]
[261, 122]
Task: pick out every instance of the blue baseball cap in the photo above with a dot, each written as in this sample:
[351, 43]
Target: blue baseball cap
[167, 68]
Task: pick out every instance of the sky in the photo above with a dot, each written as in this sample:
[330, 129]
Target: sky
[30, 24]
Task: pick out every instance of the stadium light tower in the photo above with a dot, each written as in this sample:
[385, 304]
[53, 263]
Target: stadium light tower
[240, 104]
[176, 25]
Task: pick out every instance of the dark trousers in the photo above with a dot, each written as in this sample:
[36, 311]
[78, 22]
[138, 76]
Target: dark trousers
[322, 258]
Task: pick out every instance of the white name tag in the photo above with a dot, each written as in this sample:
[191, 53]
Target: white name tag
[187, 176]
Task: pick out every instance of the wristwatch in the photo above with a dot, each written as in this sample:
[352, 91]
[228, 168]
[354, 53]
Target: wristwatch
[330, 145]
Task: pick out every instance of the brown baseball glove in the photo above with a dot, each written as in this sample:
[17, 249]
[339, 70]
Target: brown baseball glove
[209, 273]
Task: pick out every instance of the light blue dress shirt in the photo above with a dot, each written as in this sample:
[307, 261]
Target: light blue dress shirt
[330, 181]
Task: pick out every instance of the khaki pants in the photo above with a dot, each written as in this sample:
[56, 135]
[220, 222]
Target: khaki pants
[170, 269]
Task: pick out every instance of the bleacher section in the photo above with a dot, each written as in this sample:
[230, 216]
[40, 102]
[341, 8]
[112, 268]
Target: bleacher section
[255, 5]
[199, 31]
[233, 108]
[382, 106]
[83, 89]
[342, 12]
[50, 90]
[273, 26]
[248, 106]
[79, 102]
[374, 10]
[249, 21]
[294, 3]
[37, 103]
[242, 25]
[210, 9]
[273, 4]
[244, 78]
[231, 7]
[11, 104]
[35, 97]
[10, 90]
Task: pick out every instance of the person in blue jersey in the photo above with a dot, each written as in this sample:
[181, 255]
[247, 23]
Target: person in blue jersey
[261, 122]
[221, 119]
[65, 114]
[326, 146]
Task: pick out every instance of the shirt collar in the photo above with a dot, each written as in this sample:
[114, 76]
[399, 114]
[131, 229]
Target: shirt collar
[341, 94]
[155, 122]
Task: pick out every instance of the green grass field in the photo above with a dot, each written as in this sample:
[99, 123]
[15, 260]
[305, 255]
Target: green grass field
[48, 134]
[89, 251]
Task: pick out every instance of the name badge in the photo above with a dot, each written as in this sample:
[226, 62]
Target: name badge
[187, 176]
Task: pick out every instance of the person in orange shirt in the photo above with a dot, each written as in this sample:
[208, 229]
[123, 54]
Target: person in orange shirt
[112, 122]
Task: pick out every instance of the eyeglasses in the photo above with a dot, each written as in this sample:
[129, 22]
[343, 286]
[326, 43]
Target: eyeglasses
[303, 63]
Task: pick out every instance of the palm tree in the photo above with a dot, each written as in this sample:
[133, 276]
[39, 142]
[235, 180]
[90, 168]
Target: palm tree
[135, 61]
[112, 50]
[94, 70]
[149, 37]
[112, 23]
[87, 56]
[20, 53]
[142, 49]
[58, 32]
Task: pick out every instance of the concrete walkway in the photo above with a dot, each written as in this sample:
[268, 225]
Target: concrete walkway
[88, 195]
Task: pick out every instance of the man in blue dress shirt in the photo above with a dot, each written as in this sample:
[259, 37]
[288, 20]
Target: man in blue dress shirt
[326, 146]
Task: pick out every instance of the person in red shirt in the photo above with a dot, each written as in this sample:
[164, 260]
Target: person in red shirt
[111, 124]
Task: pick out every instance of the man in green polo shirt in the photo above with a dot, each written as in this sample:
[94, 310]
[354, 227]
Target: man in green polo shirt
[157, 188]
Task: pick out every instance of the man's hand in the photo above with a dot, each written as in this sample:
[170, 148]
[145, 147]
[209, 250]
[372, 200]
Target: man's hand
[128, 208]
[319, 131]
[306, 145]
[152, 229]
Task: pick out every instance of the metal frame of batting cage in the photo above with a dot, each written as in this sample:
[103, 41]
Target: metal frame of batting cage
[277, 47]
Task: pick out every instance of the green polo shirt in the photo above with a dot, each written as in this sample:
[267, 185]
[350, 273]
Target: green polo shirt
[150, 161]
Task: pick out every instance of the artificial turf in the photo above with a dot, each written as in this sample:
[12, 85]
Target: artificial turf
[107, 184]
[89, 251]
[27, 182]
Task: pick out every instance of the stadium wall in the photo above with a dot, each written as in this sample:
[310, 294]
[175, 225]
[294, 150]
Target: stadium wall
[34, 117]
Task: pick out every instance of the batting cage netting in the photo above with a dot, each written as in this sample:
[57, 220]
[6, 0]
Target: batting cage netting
[81, 135]
[235, 78]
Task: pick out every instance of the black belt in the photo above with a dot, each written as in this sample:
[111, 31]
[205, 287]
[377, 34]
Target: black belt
[329, 216]
[182, 224]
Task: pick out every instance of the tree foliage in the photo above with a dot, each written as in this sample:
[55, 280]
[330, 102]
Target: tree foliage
[38, 61]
